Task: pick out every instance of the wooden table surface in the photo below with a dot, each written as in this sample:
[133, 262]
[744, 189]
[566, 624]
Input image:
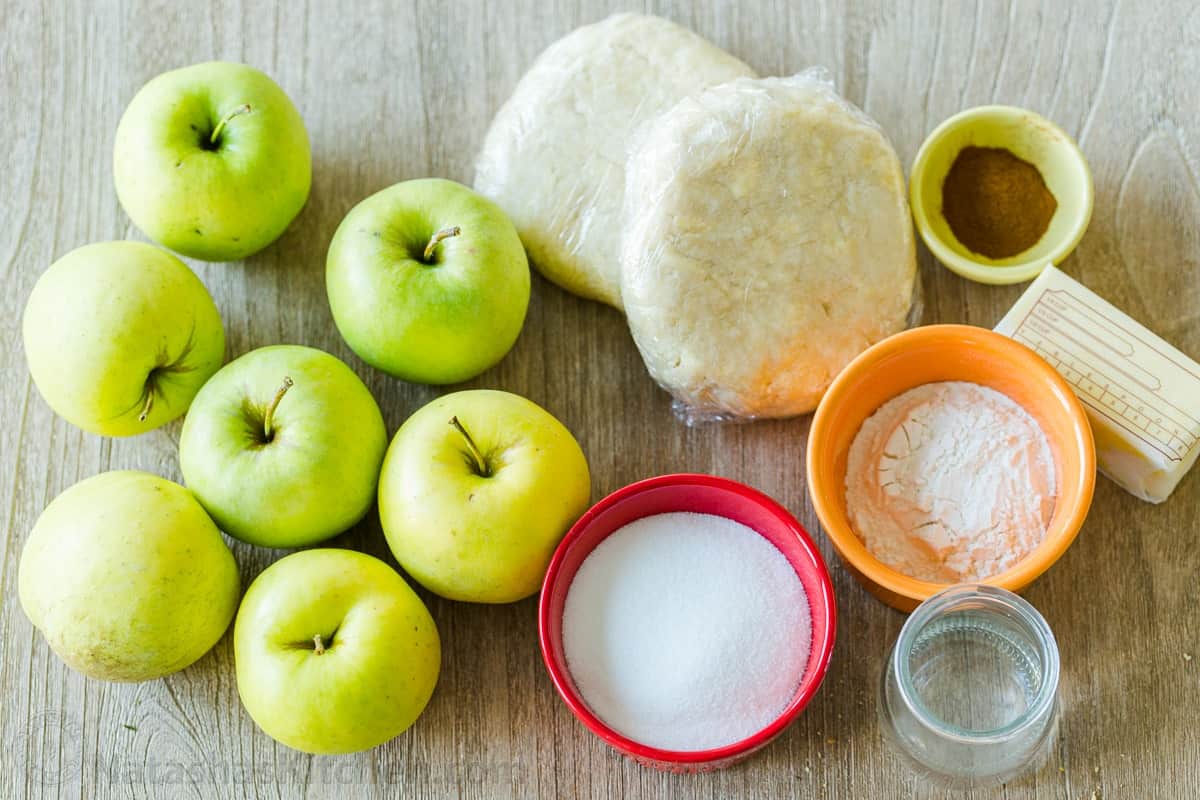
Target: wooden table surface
[397, 91]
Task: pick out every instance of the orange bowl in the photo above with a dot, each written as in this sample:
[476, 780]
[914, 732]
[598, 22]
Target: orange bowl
[948, 353]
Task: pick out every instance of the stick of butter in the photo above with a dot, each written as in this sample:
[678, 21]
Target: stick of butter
[1141, 394]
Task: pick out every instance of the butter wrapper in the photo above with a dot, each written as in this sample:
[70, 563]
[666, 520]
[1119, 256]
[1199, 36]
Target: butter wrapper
[1142, 395]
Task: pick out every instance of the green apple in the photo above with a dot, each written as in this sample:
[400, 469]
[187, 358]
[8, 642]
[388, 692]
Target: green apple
[428, 281]
[283, 447]
[335, 653]
[212, 161]
[127, 577]
[477, 489]
[119, 337]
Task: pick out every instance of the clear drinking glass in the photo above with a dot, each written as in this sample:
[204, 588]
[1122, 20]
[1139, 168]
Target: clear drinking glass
[970, 689]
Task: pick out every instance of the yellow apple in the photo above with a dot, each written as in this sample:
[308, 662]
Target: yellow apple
[476, 491]
[335, 652]
[119, 337]
[127, 577]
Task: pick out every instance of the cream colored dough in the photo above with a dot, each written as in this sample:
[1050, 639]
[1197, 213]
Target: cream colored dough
[554, 157]
[768, 242]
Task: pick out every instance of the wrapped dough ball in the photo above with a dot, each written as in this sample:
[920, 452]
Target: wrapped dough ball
[767, 243]
[554, 157]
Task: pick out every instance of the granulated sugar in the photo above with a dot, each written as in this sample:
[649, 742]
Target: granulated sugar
[950, 482]
[686, 631]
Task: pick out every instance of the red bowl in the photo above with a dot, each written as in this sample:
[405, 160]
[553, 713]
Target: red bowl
[704, 494]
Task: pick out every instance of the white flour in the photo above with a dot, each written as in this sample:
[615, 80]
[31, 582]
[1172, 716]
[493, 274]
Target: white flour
[950, 482]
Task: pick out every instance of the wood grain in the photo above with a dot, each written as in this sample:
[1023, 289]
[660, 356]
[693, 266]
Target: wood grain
[399, 90]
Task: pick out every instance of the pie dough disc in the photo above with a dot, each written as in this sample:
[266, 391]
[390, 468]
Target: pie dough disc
[554, 157]
[767, 243]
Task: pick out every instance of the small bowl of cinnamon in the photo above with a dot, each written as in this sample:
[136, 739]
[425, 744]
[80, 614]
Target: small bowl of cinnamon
[999, 192]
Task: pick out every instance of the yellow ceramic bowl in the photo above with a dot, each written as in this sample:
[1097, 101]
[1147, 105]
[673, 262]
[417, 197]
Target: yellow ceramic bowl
[1028, 136]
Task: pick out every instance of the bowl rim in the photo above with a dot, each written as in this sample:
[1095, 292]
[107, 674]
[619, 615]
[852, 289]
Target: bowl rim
[873, 572]
[807, 689]
[979, 271]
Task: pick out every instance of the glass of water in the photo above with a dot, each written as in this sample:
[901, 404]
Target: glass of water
[970, 689]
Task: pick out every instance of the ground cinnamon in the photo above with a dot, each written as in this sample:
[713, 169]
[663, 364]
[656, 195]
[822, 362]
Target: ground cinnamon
[996, 204]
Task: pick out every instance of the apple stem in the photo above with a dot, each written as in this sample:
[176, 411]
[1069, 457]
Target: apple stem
[216, 134]
[149, 404]
[444, 233]
[318, 645]
[269, 414]
[481, 465]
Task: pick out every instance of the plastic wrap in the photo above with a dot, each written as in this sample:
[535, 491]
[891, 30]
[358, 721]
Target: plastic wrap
[554, 157]
[767, 242]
